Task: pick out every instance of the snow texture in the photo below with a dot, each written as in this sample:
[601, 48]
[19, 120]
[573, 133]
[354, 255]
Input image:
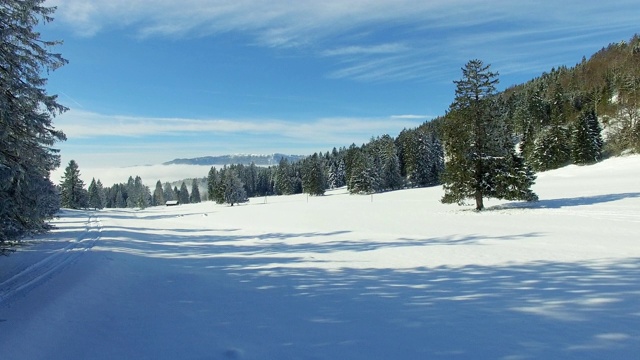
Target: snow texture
[390, 276]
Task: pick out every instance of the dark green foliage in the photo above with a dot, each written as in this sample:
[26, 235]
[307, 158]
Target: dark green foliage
[158, 195]
[27, 196]
[183, 194]
[234, 192]
[96, 195]
[283, 178]
[313, 175]
[168, 193]
[586, 141]
[481, 154]
[194, 197]
[363, 177]
[552, 149]
[72, 192]
[428, 161]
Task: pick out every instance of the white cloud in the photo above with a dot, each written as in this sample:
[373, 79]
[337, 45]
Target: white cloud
[129, 140]
[84, 124]
[391, 48]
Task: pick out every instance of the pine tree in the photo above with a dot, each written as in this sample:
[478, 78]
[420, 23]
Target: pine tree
[95, 195]
[478, 144]
[72, 192]
[429, 160]
[102, 193]
[363, 179]
[212, 179]
[313, 176]
[168, 193]
[284, 185]
[158, 195]
[586, 142]
[551, 149]
[183, 195]
[27, 134]
[194, 197]
[234, 191]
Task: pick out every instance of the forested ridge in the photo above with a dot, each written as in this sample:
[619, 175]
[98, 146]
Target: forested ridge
[567, 115]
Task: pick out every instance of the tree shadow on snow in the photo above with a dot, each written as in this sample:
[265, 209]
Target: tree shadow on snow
[566, 202]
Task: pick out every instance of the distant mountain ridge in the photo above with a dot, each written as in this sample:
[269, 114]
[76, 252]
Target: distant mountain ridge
[244, 159]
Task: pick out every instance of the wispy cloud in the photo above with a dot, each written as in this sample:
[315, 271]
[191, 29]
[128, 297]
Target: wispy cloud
[391, 48]
[132, 140]
[418, 34]
[84, 124]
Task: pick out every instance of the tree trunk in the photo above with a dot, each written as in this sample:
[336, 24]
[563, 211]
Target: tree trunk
[479, 201]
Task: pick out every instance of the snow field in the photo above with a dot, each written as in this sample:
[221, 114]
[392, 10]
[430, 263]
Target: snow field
[393, 276]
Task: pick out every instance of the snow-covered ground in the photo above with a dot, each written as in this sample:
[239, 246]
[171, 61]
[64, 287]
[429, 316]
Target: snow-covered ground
[393, 276]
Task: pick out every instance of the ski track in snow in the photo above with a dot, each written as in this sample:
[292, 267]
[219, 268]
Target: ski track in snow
[39, 272]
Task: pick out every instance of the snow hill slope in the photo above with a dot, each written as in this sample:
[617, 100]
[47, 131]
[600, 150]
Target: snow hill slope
[393, 276]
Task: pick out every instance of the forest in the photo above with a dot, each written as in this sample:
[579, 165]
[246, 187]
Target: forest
[569, 115]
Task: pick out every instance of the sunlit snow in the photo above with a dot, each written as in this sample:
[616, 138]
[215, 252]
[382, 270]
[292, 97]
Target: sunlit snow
[390, 276]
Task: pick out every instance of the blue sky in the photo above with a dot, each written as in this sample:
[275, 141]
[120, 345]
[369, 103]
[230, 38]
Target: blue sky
[153, 80]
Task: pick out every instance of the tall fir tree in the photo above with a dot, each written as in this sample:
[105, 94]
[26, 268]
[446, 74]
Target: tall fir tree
[194, 197]
[27, 135]
[212, 179]
[586, 139]
[168, 193]
[234, 192]
[95, 195]
[158, 195]
[480, 150]
[313, 176]
[183, 195]
[72, 192]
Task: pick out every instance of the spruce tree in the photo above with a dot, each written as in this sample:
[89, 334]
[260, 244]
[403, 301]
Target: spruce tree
[212, 179]
[158, 195]
[363, 179]
[194, 197]
[586, 141]
[95, 195]
[481, 153]
[27, 134]
[168, 193]
[72, 192]
[313, 176]
[234, 191]
[183, 195]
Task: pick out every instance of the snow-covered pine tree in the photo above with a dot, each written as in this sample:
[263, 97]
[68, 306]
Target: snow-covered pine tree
[102, 193]
[283, 177]
[362, 179]
[72, 192]
[158, 195]
[234, 192]
[313, 176]
[26, 112]
[428, 160]
[194, 197]
[168, 193]
[551, 148]
[389, 171]
[212, 179]
[95, 196]
[183, 195]
[480, 151]
[586, 138]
